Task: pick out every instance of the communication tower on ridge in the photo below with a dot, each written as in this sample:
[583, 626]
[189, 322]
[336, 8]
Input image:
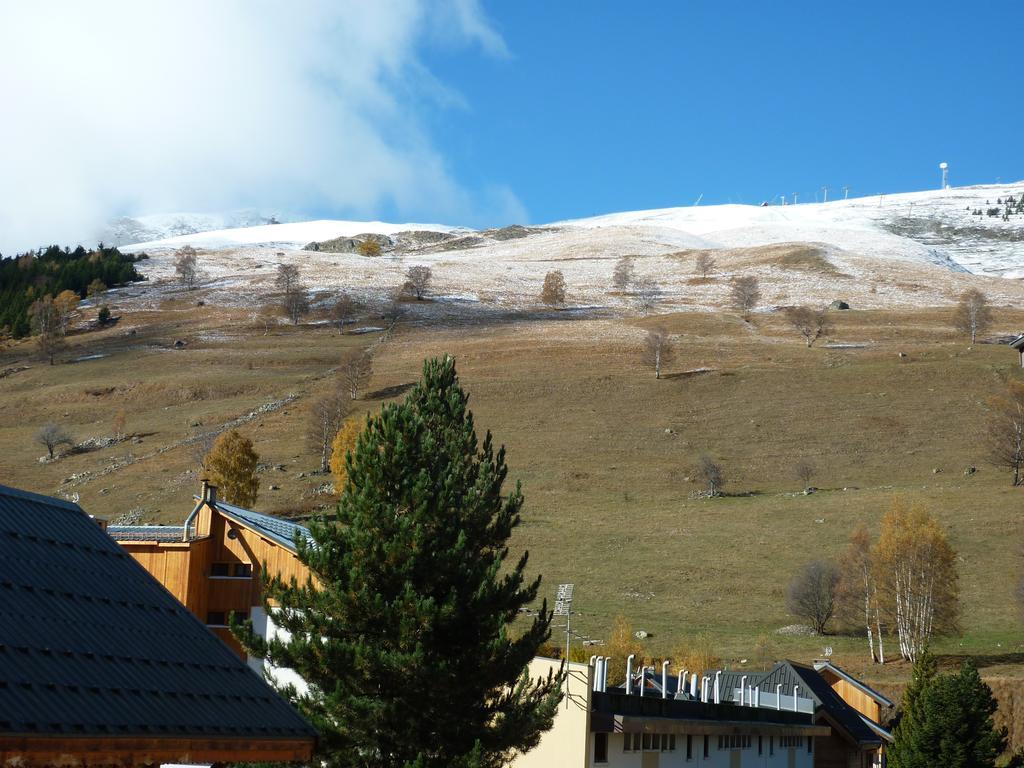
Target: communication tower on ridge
[944, 167]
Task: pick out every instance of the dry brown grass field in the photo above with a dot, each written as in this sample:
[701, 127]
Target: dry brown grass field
[604, 451]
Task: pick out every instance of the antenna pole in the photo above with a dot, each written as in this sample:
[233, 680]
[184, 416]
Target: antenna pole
[825, 191]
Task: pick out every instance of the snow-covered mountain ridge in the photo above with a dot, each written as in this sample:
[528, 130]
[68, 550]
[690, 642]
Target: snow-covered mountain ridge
[973, 229]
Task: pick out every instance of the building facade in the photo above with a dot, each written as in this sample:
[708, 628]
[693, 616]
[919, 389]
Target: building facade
[601, 727]
[213, 562]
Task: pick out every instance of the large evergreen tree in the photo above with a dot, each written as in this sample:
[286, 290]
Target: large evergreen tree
[947, 721]
[403, 634]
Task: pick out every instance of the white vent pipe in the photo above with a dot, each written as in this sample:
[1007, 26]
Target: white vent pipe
[629, 673]
[743, 690]
[664, 679]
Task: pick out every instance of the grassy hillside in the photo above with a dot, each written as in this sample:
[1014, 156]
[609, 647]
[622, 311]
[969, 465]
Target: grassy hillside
[604, 451]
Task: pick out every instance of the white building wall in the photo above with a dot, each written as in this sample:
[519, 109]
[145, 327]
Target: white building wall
[783, 757]
[568, 743]
[264, 626]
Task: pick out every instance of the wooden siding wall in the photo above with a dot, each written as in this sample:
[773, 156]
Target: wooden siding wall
[854, 696]
[185, 568]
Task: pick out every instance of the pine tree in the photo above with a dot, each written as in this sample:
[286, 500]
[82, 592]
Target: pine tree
[404, 631]
[231, 467]
[907, 751]
[947, 721]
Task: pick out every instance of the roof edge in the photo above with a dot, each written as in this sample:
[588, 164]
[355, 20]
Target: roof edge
[53, 501]
[878, 697]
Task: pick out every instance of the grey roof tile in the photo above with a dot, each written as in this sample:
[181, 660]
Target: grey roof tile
[91, 644]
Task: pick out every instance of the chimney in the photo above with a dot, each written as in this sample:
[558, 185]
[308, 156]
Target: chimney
[604, 673]
[743, 690]
[795, 689]
[778, 696]
[629, 673]
[664, 679]
[209, 493]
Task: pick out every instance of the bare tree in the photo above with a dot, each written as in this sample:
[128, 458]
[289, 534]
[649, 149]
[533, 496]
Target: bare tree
[118, 425]
[647, 293]
[705, 264]
[744, 293]
[52, 436]
[419, 280]
[812, 324]
[325, 419]
[553, 291]
[393, 308]
[1006, 431]
[622, 276]
[804, 471]
[812, 593]
[343, 311]
[287, 278]
[186, 266]
[45, 321]
[972, 315]
[267, 317]
[713, 475]
[296, 303]
[658, 350]
[355, 370]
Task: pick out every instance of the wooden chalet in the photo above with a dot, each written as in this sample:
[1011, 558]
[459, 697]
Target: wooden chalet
[101, 666]
[212, 562]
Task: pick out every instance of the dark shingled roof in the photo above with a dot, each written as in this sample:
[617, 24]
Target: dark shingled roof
[146, 532]
[92, 645]
[814, 686]
[277, 530]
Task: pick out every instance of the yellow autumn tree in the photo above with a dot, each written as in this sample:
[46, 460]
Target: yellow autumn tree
[916, 577]
[65, 303]
[621, 643]
[343, 442]
[231, 466]
[696, 655]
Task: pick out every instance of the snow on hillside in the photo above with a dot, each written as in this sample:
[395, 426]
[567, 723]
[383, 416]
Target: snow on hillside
[137, 229]
[293, 235]
[937, 226]
[881, 252]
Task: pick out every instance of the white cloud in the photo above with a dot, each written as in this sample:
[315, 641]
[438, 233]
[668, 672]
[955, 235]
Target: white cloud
[133, 107]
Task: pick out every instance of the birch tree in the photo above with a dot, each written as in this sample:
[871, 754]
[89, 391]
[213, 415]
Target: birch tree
[658, 350]
[915, 569]
[972, 315]
[858, 594]
[1006, 431]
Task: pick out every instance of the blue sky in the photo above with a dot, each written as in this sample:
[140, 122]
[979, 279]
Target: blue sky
[479, 112]
[614, 106]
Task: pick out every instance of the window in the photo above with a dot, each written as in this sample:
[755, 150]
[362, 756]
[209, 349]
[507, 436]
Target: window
[671, 742]
[216, 619]
[760, 745]
[707, 746]
[734, 741]
[636, 742]
[791, 741]
[627, 742]
[600, 747]
[810, 744]
[771, 745]
[219, 569]
[689, 746]
[647, 741]
[243, 571]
